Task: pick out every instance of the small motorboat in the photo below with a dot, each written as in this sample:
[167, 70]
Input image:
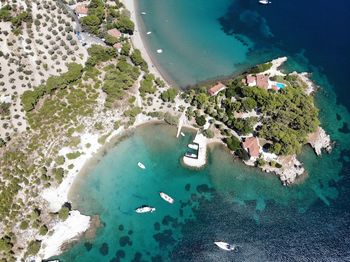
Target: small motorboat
[191, 155]
[143, 13]
[142, 166]
[145, 209]
[159, 51]
[225, 246]
[193, 146]
[149, 32]
[166, 197]
[182, 134]
[264, 2]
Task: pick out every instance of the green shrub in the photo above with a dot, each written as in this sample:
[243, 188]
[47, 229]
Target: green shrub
[63, 213]
[73, 155]
[200, 120]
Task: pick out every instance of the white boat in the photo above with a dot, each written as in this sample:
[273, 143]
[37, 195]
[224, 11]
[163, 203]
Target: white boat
[191, 155]
[264, 2]
[166, 197]
[143, 13]
[159, 51]
[145, 209]
[149, 32]
[225, 246]
[193, 146]
[142, 166]
[182, 134]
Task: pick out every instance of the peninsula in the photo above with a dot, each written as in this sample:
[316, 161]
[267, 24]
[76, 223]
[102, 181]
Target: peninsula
[76, 74]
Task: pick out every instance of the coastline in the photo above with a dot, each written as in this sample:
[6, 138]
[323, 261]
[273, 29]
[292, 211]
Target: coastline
[139, 43]
[77, 223]
[56, 197]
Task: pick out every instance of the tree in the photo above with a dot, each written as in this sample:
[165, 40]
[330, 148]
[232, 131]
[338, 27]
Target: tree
[90, 20]
[125, 25]
[233, 143]
[5, 244]
[33, 247]
[169, 95]
[5, 14]
[125, 49]
[110, 40]
[137, 59]
[200, 120]
[43, 230]
[63, 213]
[249, 104]
[201, 99]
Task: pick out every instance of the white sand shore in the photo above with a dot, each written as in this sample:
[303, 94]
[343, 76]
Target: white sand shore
[137, 41]
[75, 225]
[56, 197]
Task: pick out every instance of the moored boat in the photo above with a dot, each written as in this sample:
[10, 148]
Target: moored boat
[264, 2]
[145, 209]
[225, 246]
[166, 197]
[193, 146]
[142, 166]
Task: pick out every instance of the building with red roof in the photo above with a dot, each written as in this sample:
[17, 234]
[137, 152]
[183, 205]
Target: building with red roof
[214, 90]
[114, 32]
[262, 81]
[252, 146]
[118, 46]
[251, 80]
[81, 10]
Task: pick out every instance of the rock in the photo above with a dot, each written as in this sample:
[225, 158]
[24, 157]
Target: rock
[291, 169]
[320, 140]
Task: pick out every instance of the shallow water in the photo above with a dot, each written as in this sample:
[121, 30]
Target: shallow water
[227, 200]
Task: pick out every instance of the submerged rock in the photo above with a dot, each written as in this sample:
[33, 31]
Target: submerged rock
[104, 249]
[88, 246]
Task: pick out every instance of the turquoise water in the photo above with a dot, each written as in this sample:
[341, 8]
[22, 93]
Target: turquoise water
[228, 201]
[194, 47]
[207, 201]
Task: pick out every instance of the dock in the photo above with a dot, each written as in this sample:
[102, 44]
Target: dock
[200, 158]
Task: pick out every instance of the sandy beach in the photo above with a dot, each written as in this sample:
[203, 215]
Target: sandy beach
[138, 43]
[77, 223]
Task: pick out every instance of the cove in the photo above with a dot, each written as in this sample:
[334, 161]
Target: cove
[226, 200]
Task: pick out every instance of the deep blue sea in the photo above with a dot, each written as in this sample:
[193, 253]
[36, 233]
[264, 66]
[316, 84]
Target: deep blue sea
[228, 201]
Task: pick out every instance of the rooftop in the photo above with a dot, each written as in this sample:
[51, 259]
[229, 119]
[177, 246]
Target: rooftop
[114, 32]
[262, 81]
[251, 144]
[216, 88]
[81, 9]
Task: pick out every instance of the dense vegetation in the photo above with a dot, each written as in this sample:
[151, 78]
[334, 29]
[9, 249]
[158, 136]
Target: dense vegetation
[284, 118]
[102, 16]
[31, 97]
[32, 162]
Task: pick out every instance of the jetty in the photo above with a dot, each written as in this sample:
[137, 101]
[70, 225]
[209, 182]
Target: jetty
[198, 159]
[182, 121]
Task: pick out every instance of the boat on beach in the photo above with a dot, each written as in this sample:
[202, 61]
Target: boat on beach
[142, 166]
[145, 209]
[166, 197]
[225, 246]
